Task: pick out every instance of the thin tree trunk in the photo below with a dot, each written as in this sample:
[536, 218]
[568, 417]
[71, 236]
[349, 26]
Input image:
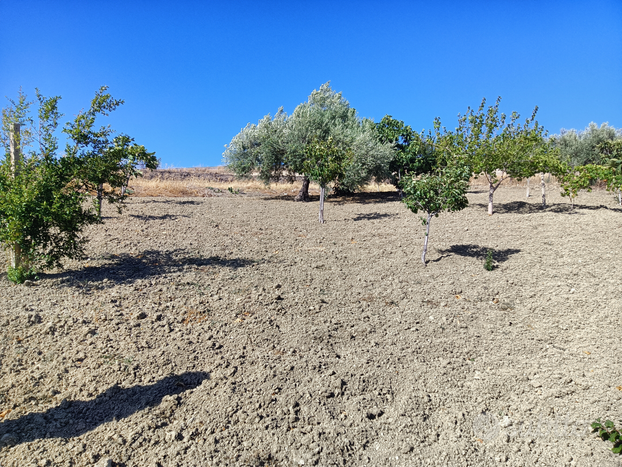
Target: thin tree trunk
[528, 187]
[100, 196]
[16, 161]
[425, 242]
[322, 192]
[620, 197]
[491, 192]
[543, 186]
[303, 194]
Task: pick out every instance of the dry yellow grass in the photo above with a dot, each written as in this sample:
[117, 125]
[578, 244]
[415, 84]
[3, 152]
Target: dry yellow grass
[195, 182]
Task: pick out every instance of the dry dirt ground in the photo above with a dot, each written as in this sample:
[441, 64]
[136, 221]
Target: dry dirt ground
[237, 330]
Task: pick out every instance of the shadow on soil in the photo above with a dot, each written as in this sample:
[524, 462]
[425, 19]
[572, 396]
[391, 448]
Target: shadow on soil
[172, 201]
[74, 418]
[373, 216]
[126, 268]
[362, 198]
[476, 251]
[521, 207]
[163, 217]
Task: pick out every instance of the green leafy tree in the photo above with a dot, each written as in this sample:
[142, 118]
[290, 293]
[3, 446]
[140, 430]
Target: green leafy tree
[498, 150]
[106, 164]
[42, 215]
[43, 209]
[325, 163]
[411, 154]
[441, 189]
[572, 180]
[611, 153]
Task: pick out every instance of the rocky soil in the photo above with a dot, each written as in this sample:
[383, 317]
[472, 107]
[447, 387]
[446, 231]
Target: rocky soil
[239, 331]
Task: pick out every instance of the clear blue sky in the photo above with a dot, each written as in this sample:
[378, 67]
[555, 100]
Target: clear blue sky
[193, 73]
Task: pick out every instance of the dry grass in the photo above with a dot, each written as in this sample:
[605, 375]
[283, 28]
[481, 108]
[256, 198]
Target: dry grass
[216, 181]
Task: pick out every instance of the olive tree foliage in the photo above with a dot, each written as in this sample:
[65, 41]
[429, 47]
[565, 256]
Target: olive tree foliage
[497, 149]
[578, 148]
[277, 148]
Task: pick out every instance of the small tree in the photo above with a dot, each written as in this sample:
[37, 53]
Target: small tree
[42, 204]
[324, 163]
[444, 189]
[611, 152]
[573, 180]
[41, 212]
[498, 150]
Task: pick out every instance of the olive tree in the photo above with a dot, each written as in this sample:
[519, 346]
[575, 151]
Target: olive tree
[277, 147]
[578, 148]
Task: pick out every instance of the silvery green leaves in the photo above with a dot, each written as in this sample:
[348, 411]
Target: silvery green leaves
[277, 147]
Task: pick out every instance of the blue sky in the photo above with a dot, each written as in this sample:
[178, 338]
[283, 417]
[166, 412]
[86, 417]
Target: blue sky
[193, 73]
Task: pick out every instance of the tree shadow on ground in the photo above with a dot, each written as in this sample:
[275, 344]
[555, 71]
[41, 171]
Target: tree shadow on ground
[172, 201]
[373, 216]
[367, 198]
[74, 418]
[522, 207]
[127, 268]
[478, 252]
[163, 217]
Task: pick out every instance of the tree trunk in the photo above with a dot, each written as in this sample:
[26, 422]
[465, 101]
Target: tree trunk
[16, 161]
[100, 197]
[303, 194]
[322, 193]
[491, 192]
[425, 242]
[528, 187]
[620, 197]
[543, 185]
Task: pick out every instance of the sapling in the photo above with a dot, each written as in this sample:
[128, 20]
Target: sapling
[442, 190]
[324, 164]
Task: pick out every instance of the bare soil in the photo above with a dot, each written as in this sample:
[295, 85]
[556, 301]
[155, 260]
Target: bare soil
[237, 330]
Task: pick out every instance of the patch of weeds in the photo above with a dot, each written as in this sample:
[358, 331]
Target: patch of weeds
[608, 432]
[125, 362]
[233, 191]
[489, 262]
[215, 190]
[20, 274]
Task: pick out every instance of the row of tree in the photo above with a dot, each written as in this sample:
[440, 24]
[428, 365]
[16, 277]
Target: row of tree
[490, 144]
[44, 197]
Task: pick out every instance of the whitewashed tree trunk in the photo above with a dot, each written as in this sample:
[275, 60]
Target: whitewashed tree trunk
[425, 242]
[620, 197]
[543, 186]
[528, 187]
[322, 193]
[16, 160]
[491, 192]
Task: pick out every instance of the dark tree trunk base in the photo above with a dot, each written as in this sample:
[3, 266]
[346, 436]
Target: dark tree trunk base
[303, 194]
